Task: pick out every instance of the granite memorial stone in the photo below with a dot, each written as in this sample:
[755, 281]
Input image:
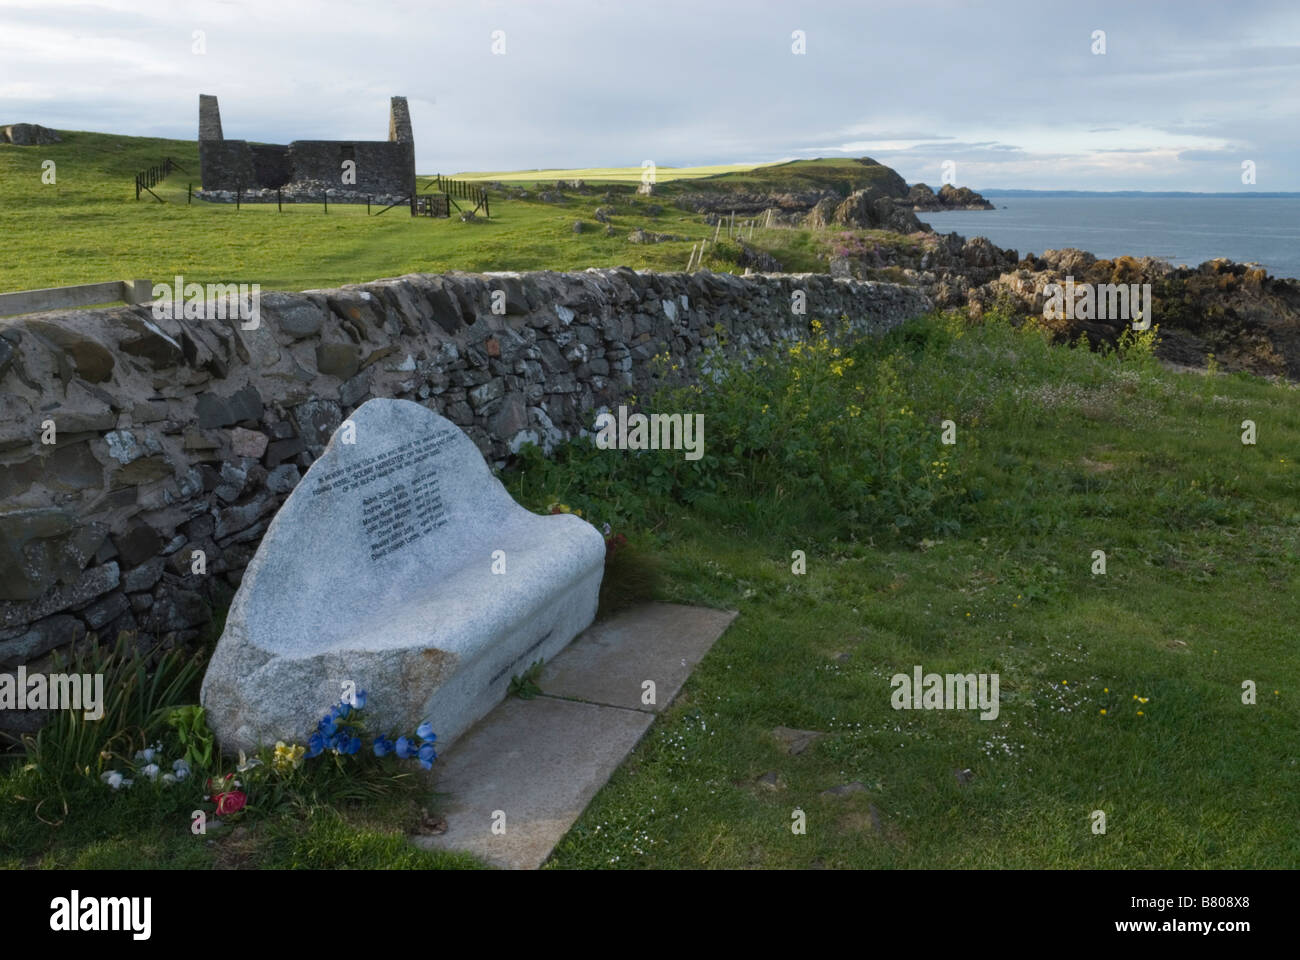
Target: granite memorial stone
[401, 564]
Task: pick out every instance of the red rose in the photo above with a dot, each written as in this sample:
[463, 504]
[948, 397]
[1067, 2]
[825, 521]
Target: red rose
[231, 802]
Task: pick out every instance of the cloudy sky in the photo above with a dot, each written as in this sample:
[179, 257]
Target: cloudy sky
[1011, 93]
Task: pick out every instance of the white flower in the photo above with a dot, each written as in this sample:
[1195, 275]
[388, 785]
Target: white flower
[115, 779]
[245, 764]
[181, 768]
[150, 771]
[169, 778]
[145, 755]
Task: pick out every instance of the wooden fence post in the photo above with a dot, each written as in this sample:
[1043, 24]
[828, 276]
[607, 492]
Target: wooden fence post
[279, 207]
[189, 193]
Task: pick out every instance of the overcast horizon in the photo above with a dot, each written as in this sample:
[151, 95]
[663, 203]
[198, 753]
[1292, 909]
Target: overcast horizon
[1012, 95]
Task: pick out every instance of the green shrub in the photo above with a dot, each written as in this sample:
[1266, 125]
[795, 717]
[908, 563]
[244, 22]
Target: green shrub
[814, 434]
[70, 749]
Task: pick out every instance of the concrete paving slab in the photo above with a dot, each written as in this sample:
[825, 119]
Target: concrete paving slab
[611, 660]
[539, 762]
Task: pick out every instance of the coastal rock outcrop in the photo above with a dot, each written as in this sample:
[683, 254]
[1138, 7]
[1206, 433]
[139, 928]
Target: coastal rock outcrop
[1249, 320]
[922, 198]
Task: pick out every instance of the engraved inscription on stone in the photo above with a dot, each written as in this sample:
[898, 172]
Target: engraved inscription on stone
[395, 513]
[502, 672]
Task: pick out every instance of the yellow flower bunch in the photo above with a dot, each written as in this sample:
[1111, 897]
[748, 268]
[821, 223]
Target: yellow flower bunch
[287, 758]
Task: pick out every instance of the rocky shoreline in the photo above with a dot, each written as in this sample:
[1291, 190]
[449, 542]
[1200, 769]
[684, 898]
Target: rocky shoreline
[1248, 320]
[888, 204]
[925, 200]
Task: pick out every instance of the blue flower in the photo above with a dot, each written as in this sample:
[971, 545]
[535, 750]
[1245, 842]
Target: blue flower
[328, 724]
[383, 746]
[425, 732]
[353, 745]
[359, 699]
[316, 745]
[405, 748]
[427, 756]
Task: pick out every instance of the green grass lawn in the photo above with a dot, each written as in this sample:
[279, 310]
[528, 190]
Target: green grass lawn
[1062, 453]
[970, 558]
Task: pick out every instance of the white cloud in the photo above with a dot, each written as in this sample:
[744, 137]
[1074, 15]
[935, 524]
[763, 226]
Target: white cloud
[1008, 90]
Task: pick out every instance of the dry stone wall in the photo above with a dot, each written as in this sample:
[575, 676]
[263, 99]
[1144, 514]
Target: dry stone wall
[176, 436]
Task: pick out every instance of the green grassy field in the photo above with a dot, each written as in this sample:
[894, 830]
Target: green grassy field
[87, 227]
[608, 174]
[1120, 692]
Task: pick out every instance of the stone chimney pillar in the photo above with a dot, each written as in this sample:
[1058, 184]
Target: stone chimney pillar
[210, 118]
[399, 122]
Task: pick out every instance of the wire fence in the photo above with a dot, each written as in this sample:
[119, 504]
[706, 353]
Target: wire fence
[153, 176]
